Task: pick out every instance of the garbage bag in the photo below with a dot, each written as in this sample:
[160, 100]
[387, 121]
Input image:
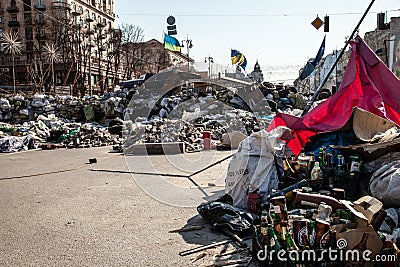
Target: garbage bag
[253, 166]
[391, 221]
[385, 184]
[222, 215]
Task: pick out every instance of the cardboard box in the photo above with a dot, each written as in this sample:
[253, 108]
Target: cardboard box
[353, 237]
[361, 219]
[368, 206]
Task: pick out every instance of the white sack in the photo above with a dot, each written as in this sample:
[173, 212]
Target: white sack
[253, 165]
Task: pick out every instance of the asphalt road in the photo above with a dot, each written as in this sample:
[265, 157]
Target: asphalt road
[58, 210]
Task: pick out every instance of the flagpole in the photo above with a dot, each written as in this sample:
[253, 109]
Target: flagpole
[308, 106]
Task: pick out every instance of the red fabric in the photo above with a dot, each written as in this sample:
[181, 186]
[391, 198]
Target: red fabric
[367, 84]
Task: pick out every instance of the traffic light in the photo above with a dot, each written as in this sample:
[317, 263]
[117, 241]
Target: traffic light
[326, 24]
[381, 22]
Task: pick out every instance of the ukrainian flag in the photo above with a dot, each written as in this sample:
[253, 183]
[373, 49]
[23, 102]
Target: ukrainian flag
[238, 58]
[171, 43]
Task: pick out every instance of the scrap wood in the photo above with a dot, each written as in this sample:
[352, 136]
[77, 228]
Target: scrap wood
[229, 262]
[200, 256]
[187, 229]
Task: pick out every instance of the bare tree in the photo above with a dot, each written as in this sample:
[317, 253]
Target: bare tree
[132, 35]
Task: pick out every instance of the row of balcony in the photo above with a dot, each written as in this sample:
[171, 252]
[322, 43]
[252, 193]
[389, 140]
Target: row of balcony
[15, 23]
[38, 7]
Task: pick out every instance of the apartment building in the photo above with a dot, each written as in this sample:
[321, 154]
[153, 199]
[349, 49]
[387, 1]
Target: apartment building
[63, 43]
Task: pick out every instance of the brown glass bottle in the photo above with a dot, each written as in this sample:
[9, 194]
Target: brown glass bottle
[360, 247]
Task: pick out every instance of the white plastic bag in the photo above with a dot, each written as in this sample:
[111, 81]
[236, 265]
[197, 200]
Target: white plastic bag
[385, 184]
[253, 166]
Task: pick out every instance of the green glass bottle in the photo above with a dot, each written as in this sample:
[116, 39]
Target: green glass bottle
[290, 244]
[273, 240]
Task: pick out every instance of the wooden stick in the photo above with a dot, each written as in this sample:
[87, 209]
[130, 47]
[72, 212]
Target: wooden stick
[187, 229]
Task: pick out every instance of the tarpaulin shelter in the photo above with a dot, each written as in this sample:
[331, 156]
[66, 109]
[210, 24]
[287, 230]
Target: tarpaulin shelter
[367, 84]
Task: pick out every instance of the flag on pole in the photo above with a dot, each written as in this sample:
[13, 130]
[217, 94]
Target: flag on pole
[238, 58]
[171, 43]
[311, 64]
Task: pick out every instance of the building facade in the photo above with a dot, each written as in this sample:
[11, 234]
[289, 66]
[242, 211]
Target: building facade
[63, 43]
[386, 44]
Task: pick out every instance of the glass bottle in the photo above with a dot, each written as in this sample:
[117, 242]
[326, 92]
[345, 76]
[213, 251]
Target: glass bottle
[316, 172]
[273, 240]
[290, 244]
[263, 236]
[360, 248]
[311, 163]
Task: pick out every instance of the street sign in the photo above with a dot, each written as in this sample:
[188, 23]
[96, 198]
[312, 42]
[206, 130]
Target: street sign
[317, 23]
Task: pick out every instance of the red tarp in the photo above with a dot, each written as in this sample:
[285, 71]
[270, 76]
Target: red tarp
[367, 83]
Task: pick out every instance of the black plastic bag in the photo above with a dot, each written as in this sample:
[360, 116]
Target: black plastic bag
[222, 215]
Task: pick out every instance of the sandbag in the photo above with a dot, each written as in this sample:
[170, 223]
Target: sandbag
[385, 184]
[253, 166]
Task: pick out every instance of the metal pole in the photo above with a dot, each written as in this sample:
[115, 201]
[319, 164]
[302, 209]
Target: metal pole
[13, 67]
[307, 108]
[187, 46]
[52, 74]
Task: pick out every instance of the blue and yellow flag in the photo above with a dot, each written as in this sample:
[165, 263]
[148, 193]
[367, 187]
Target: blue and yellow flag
[171, 43]
[238, 58]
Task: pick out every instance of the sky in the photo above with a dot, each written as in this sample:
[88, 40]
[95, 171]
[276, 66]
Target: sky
[275, 33]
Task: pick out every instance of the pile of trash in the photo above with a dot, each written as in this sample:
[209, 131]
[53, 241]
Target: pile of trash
[17, 109]
[51, 129]
[326, 186]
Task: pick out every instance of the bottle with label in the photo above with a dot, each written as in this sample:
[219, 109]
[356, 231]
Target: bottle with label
[263, 236]
[311, 163]
[316, 172]
[273, 239]
[290, 244]
[353, 178]
[288, 171]
[339, 172]
[329, 176]
[303, 162]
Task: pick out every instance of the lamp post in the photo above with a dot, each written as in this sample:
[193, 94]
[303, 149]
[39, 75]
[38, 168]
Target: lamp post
[188, 46]
[210, 60]
[100, 36]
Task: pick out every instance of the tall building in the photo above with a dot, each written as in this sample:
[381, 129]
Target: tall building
[63, 43]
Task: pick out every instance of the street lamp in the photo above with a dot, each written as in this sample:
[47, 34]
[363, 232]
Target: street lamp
[188, 46]
[210, 60]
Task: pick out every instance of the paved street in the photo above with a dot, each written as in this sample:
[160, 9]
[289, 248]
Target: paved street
[56, 211]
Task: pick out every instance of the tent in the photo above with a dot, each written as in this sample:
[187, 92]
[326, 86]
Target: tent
[367, 84]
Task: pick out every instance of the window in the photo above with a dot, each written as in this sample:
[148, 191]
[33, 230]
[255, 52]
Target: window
[15, 31]
[13, 17]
